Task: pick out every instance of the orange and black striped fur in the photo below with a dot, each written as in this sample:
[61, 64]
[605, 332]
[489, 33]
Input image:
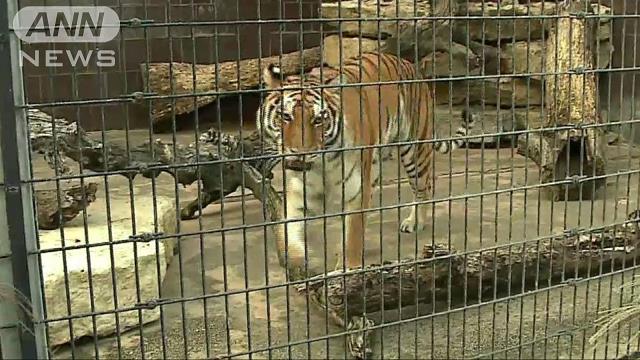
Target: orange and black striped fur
[302, 118]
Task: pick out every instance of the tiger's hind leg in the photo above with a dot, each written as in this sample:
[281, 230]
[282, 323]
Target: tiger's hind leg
[417, 160]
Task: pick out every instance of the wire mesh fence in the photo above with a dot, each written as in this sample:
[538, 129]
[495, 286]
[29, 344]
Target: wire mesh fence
[319, 179]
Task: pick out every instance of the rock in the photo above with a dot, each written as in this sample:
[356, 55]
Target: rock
[522, 58]
[602, 10]
[510, 92]
[604, 31]
[460, 61]
[370, 11]
[506, 28]
[350, 48]
[605, 53]
[520, 29]
[491, 120]
[151, 258]
[527, 58]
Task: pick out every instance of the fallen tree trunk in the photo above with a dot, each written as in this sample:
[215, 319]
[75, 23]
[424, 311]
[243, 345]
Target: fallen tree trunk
[178, 78]
[567, 156]
[53, 213]
[478, 275]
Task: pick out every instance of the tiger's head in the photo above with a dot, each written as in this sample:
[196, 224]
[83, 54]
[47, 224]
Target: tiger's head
[297, 118]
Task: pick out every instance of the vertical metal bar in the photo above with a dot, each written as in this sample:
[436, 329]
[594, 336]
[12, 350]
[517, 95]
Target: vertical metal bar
[497, 200]
[242, 191]
[466, 189]
[176, 192]
[605, 190]
[539, 190]
[154, 185]
[617, 183]
[264, 205]
[592, 188]
[325, 255]
[629, 152]
[380, 175]
[306, 242]
[552, 210]
[223, 234]
[619, 118]
[284, 182]
[196, 132]
[20, 231]
[482, 167]
[526, 175]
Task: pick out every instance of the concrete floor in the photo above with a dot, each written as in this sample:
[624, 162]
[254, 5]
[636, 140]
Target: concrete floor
[258, 320]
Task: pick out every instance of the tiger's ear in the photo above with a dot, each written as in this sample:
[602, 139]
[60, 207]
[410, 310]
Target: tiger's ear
[272, 76]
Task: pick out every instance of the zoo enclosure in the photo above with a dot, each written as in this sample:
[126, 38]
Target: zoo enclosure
[94, 101]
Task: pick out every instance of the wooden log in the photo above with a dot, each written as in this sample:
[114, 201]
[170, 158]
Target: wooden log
[53, 213]
[221, 172]
[503, 270]
[178, 78]
[568, 156]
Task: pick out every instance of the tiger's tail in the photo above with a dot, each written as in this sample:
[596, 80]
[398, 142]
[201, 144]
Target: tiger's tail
[460, 138]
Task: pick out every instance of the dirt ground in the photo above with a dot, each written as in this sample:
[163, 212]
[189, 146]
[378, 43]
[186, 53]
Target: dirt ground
[537, 324]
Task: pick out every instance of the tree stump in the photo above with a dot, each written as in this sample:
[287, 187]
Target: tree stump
[569, 157]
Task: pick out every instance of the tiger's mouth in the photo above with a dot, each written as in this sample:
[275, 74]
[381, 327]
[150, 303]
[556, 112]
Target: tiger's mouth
[297, 165]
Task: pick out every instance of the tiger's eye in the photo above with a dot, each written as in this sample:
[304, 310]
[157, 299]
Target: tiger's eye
[286, 117]
[320, 117]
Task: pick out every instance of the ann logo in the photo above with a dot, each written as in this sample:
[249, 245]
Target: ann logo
[73, 28]
[66, 24]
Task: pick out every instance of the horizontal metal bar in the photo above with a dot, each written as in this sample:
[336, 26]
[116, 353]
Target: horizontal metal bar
[342, 213]
[327, 86]
[378, 19]
[329, 151]
[394, 323]
[376, 268]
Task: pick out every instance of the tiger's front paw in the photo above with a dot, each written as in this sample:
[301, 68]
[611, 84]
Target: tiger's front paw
[410, 225]
[294, 266]
[295, 273]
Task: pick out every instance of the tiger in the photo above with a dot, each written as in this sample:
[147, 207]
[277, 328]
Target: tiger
[314, 121]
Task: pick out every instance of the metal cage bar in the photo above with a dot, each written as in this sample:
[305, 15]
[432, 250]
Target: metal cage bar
[25, 338]
[218, 286]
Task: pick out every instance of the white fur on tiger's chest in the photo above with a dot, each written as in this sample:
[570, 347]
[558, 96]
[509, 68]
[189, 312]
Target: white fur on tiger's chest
[323, 192]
